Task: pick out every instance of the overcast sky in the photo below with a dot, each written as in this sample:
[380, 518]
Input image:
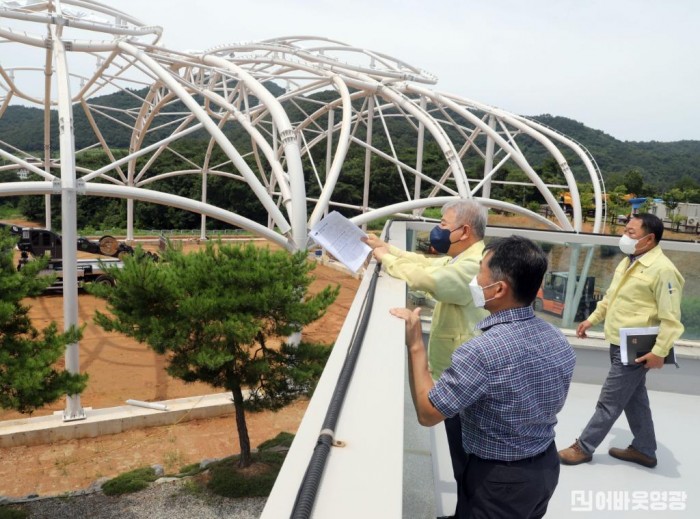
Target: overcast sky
[627, 67]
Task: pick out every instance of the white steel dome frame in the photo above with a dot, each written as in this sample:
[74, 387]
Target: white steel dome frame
[330, 99]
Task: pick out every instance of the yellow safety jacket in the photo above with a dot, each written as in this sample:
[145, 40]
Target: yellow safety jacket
[647, 293]
[447, 281]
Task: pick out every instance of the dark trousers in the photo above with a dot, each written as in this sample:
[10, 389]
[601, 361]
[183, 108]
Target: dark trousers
[509, 489]
[624, 390]
[453, 427]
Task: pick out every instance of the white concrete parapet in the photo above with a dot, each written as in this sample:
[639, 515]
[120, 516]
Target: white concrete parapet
[112, 420]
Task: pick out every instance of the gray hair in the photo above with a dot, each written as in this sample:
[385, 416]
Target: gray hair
[468, 212]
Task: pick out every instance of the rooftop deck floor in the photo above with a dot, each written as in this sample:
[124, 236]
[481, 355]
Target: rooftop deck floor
[605, 487]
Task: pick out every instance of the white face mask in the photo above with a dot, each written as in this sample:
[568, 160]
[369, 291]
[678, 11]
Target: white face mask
[478, 293]
[628, 245]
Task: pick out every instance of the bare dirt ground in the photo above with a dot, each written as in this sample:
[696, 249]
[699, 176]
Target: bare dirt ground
[121, 368]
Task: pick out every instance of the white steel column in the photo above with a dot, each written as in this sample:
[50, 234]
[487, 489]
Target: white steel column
[329, 145]
[129, 221]
[203, 228]
[48, 72]
[368, 156]
[419, 155]
[488, 160]
[69, 188]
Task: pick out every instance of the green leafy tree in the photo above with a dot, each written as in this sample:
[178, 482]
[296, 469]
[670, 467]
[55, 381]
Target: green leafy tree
[634, 182]
[677, 220]
[29, 377]
[617, 205]
[647, 206]
[672, 198]
[213, 313]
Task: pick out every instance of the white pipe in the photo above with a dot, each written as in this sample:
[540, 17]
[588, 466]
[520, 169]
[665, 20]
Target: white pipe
[148, 405]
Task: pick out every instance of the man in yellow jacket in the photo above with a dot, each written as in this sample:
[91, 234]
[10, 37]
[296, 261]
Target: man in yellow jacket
[460, 237]
[646, 290]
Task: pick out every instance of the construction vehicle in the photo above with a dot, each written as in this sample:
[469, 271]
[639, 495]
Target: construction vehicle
[36, 242]
[552, 295]
[567, 204]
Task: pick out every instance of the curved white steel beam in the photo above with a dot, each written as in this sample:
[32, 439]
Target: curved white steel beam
[405, 207]
[155, 197]
[339, 156]
[543, 134]
[261, 142]
[516, 154]
[289, 143]
[591, 167]
[213, 129]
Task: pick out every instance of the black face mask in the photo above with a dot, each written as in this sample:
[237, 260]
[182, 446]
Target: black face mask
[440, 239]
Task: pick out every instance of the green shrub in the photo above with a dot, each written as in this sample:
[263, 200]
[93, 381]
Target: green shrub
[132, 481]
[229, 480]
[7, 512]
[534, 206]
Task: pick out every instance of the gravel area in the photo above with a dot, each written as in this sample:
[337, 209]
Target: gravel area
[168, 500]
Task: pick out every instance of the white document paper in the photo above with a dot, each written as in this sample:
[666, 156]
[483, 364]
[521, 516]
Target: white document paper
[626, 332]
[341, 238]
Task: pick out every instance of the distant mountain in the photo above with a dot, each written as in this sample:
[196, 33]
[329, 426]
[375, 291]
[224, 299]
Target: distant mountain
[661, 164]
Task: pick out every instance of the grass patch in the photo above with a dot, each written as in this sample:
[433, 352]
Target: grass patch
[193, 487]
[227, 479]
[224, 477]
[7, 512]
[283, 439]
[190, 470]
[9, 212]
[131, 481]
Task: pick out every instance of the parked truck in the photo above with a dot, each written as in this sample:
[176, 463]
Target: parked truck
[36, 242]
[551, 296]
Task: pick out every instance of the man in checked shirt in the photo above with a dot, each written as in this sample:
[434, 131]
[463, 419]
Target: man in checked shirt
[507, 386]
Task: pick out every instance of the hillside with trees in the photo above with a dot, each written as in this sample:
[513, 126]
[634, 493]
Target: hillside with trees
[667, 169]
[661, 164]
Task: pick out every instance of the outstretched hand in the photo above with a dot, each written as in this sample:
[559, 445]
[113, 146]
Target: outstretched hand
[414, 331]
[374, 242]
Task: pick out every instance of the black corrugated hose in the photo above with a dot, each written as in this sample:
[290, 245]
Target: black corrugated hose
[309, 486]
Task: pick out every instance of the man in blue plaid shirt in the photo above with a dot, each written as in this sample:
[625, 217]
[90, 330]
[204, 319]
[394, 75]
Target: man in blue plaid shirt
[507, 385]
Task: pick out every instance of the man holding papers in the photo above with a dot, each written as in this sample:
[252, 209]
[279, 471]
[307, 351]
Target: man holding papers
[506, 385]
[460, 237]
[646, 291]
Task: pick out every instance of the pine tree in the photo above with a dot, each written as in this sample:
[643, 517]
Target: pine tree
[29, 376]
[214, 312]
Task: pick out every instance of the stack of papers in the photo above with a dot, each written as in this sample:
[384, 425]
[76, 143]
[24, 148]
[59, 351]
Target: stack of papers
[342, 239]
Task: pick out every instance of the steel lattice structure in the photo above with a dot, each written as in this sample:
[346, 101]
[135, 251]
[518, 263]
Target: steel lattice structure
[289, 117]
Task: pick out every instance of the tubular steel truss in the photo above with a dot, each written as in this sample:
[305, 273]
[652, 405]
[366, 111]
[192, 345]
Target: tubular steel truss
[297, 119]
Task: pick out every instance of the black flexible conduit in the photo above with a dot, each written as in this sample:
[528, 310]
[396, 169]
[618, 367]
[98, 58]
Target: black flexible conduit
[306, 496]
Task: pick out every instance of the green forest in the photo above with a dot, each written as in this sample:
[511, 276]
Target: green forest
[670, 170]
